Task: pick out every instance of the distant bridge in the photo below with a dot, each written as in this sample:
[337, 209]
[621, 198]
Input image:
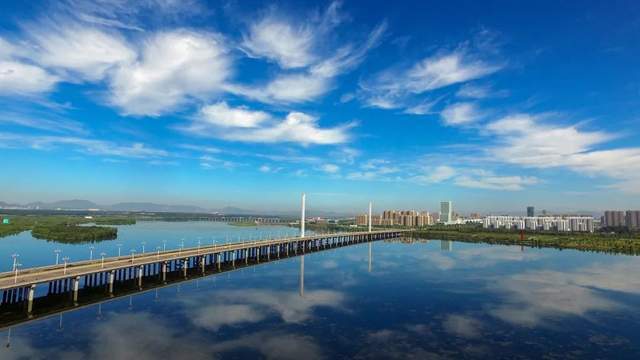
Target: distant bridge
[110, 274]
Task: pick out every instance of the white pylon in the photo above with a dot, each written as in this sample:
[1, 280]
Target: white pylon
[370, 209]
[302, 216]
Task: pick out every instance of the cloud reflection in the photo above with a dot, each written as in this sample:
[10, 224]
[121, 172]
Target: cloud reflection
[233, 307]
[536, 296]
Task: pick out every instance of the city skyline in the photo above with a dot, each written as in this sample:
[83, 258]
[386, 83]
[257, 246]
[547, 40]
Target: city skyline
[211, 104]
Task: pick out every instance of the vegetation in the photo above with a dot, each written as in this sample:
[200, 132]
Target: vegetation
[73, 233]
[64, 228]
[115, 221]
[600, 242]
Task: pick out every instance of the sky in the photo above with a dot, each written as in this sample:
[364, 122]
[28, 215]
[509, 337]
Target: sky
[494, 105]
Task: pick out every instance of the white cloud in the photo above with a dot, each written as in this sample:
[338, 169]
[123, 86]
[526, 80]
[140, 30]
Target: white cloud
[473, 91]
[285, 88]
[447, 69]
[460, 114]
[493, 182]
[42, 120]
[291, 46]
[330, 168]
[220, 114]
[526, 140]
[175, 66]
[296, 127]
[391, 88]
[374, 169]
[86, 52]
[18, 78]
[265, 168]
[290, 43]
[423, 108]
[315, 77]
[471, 178]
[89, 146]
[439, 174]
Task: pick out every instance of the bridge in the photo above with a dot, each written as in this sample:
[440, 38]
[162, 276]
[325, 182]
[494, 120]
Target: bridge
[109, 274]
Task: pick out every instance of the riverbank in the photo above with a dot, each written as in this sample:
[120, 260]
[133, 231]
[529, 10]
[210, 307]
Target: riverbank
[607, 243]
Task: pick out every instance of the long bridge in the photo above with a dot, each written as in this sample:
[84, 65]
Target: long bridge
[108, 275]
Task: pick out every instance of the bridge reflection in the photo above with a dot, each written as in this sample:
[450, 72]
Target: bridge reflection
[99, 288]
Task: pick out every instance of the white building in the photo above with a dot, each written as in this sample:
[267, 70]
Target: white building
[537, 223]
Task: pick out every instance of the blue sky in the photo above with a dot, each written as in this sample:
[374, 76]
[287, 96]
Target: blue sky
[493, 105]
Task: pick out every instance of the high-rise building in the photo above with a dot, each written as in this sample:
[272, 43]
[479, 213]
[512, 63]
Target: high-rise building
[632, 219]
[531, 211]
[614, 218]
[446, 212]
[362, 220]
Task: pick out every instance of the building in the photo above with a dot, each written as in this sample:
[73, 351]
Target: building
[6, 221]
[446, 212]
[531, 211]
[410, 218]
[632, 219]
[362, 220]
[614, 219]
[540, 223]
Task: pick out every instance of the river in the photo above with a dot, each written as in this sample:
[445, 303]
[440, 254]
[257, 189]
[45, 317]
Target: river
[426, 299]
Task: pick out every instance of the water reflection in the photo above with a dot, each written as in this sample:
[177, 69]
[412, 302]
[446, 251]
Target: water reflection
[418, 301]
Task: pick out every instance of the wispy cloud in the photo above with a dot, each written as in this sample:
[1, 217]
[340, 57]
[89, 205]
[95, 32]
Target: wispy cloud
[397, 86]
[495, 182]
[46, 121]
[175, 66]
[461, 114]
[77, 51]
[330, 168]
[474, 91]
[293, 46]
[534, 141]
[88, 146]
[242, 124]
[19, 76]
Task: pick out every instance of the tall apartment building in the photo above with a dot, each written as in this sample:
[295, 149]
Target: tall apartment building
[617, 219]
[362, 219]
[411, 218]
[632, 219]
[531, 211]
[614, 218]
[446, 212]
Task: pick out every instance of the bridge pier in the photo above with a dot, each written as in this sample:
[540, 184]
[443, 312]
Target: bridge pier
[76, 287]
[32, 291]
[185, 265]
[112, 278]
[140, 274]
[164, 271]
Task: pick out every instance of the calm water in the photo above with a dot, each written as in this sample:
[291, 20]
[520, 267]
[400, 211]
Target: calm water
[421, 300]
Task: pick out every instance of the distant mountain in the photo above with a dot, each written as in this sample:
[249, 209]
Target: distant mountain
[230, 210]
[152, 207]
[6, 205]
[77, 204]
[64, 204]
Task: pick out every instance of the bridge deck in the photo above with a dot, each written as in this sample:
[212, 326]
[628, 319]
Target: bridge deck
[36, 275]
